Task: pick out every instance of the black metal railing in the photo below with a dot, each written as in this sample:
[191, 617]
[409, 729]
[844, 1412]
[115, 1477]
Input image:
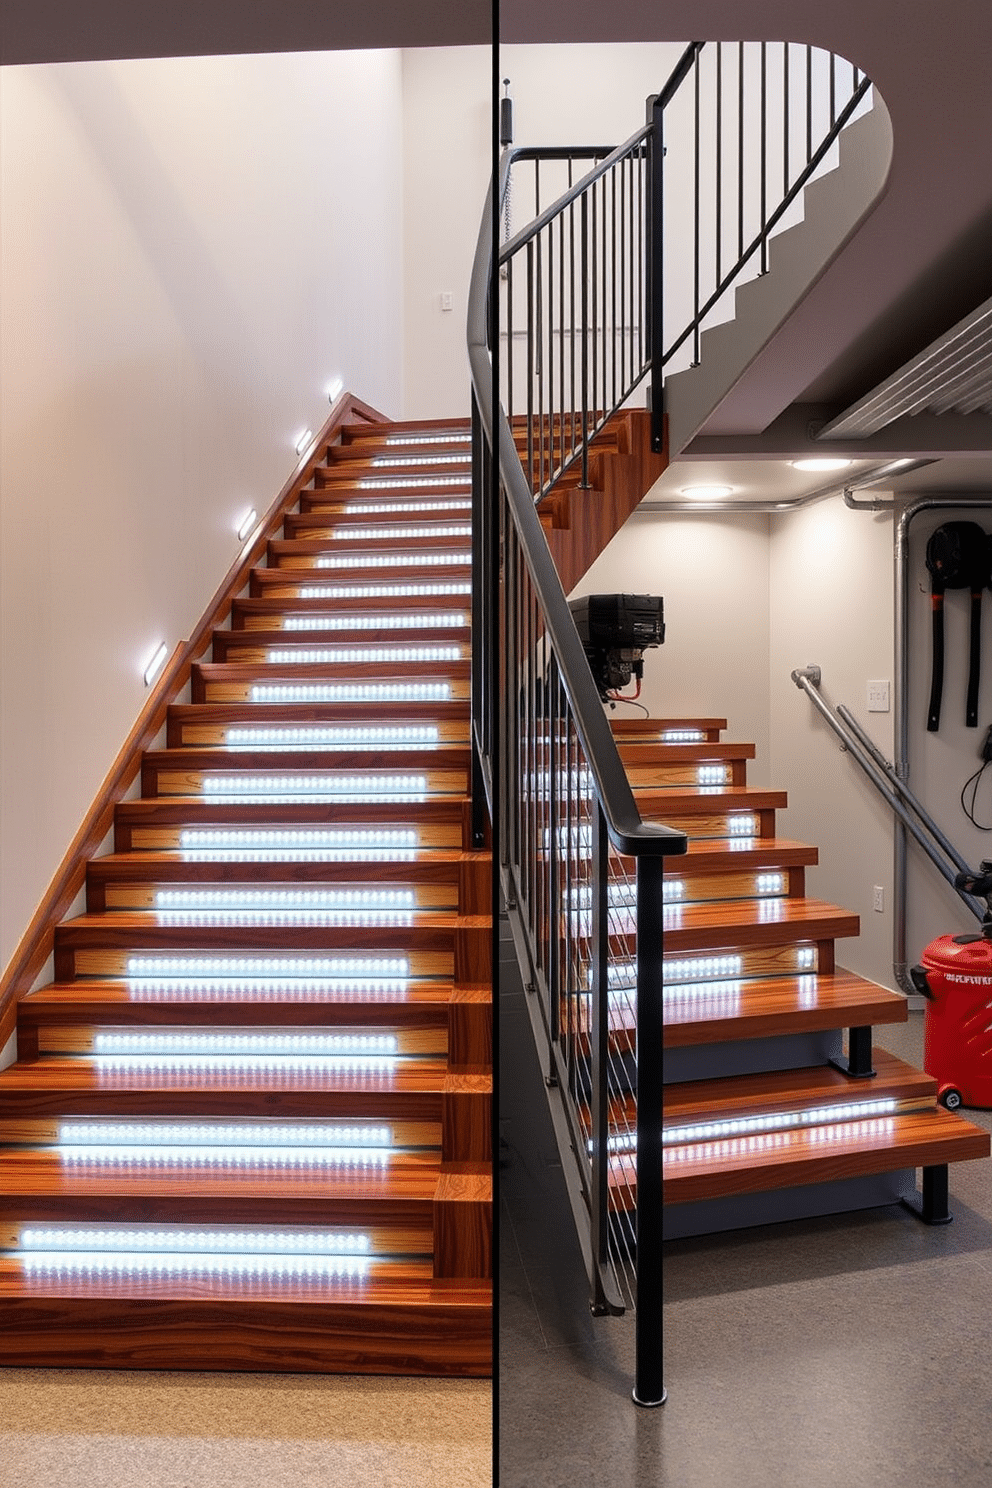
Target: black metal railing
[617, 274]
[567, 318]
[566, 828]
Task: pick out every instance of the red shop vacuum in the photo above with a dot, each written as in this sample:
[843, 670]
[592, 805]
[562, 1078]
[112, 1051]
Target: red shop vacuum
[955, 975]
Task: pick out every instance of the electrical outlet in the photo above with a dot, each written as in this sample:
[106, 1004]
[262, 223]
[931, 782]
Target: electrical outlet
[447, 303]
[878, 697]
[878, 899]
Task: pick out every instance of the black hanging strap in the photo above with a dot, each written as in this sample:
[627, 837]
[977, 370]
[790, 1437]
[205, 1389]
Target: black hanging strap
[958, 557]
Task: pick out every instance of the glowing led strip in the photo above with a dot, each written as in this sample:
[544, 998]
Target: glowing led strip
[406, 737]
[397, 560]
[683, 736]
[373, 622]
[360, 655]
[622, 894]
[413, 482]
[167, 1044]
[712, 775]
[380, 591]
[416, 460]
[123, 1156]
[375, 534]
[285, 898]
[276, 1133]
[742, 825]
[384, 508]
[686, 969]
[291, 844]
[159, 1265]
[268, 966]
[265, 989]
[135, 1238]
[429, 439]
[730, 1148]
[351, 692]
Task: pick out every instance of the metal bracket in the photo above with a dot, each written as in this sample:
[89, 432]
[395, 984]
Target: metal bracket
[931, 1205]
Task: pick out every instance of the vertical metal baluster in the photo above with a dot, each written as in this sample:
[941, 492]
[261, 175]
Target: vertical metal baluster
[634, 281]
[481, 640]
[584, 353]
[696, 183]
[649, 1388]
[561, 341]
[718, 184]
[571, 324]
[785, 121]
[551, 352]
[539, 360]
[740, 150]
[551, 826]
[509, 341]
[613, 291]
[594, 310]
[809, 104]
[530, 364]
[619, 332]
[599, 1032]
[763, 156]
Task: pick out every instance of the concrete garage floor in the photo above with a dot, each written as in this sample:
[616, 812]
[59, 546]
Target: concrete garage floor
[855, 1349]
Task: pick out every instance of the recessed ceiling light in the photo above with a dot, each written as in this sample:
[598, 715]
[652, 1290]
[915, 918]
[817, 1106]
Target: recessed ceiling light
[828, 462]
[706, 493]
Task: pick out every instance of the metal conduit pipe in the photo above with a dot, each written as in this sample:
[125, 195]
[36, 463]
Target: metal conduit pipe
[900, 960]
[807, 680]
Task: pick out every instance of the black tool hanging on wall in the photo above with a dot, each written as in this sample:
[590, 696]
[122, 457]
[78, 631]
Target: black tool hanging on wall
[958, 557]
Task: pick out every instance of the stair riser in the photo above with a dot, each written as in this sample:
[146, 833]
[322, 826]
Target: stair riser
[453, 1340]
[458, 884]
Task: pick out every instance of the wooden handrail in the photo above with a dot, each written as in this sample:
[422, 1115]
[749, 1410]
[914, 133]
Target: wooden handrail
[36, 943]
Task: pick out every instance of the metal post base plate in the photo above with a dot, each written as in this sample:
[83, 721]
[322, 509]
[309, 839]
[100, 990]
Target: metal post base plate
[916, 1206]
[648, 1404]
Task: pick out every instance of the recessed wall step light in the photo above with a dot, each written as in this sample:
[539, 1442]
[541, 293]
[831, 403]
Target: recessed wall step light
[383, 508]
[360, 655]
[712, 775]
[350, 692]
[422, 736]
[385, 534]
[381, 591]
[444, 619]
[397, 560]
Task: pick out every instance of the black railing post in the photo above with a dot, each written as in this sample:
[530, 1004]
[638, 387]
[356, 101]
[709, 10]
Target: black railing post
[649, 1386]
[655, 218]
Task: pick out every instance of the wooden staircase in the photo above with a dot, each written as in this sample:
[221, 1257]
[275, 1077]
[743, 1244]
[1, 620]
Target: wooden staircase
[762, 1119]
[249, 1126]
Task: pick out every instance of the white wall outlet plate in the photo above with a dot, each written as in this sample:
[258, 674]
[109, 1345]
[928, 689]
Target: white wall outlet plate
[878, 697]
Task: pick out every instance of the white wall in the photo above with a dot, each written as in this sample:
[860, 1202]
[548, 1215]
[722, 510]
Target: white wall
[831, 603]
[191, 252]
[713, 574]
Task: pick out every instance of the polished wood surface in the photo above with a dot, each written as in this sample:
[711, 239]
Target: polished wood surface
[423, 1306]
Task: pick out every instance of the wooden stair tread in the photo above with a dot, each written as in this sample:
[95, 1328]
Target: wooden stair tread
[819, 1155]
[51, 1074]
[708, 799]
[771, 1007]
[103, 1000]
[732, 922]
[793, 1089]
